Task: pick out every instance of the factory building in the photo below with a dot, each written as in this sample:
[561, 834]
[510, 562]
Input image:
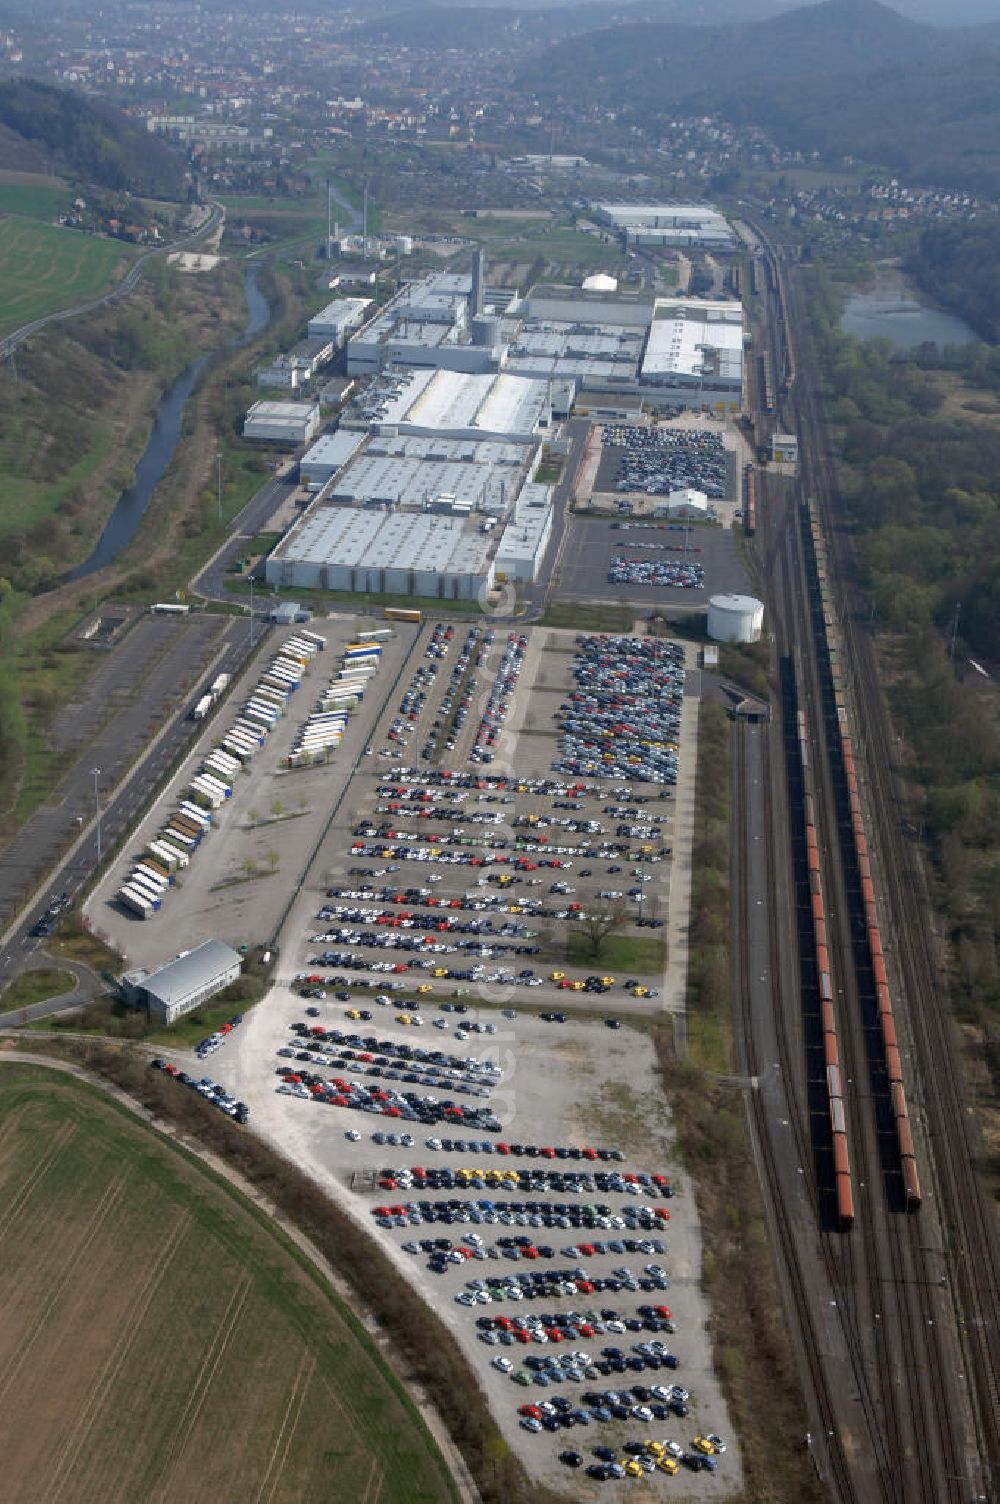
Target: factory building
[298, 365]
[694, 353]
[378, 551]
[668, 224]
[431, 324]
[184, 983]
[338, 319]
[290, 423]
[329, 454]
[454, 405]
[525, 538]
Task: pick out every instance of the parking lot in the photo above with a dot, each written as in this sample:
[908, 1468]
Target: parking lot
[592, 544]
[660, 460]
[569, 1231]
[247, 866]
[452, 1053]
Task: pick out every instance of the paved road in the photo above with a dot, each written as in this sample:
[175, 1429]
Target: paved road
[117, 817]
[88, 985]
[17, 337]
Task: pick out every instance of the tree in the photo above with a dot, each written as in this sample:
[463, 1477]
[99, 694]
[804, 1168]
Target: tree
[273, 859]
[597, 928]
[277, 808]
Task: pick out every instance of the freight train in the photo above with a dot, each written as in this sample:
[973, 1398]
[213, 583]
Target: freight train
[843, 1184]
[831, 647]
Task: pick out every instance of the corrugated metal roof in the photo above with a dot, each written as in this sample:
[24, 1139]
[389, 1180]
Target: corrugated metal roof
[178, 979]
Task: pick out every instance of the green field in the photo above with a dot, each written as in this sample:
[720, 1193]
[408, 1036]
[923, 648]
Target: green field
[162, 1342]
[44, 268]
[34, 200]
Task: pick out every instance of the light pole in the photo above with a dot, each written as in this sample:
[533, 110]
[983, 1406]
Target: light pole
[97, 808]
[251, 610]
[218, 481]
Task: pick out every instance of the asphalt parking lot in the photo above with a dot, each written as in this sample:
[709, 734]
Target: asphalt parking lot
[271, 823]
[429, 987]
[131, 690]
[593, 543]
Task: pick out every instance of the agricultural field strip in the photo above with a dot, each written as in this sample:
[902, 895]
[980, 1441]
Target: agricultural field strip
[121, 1305]
[286, 1431]
[129, 1334]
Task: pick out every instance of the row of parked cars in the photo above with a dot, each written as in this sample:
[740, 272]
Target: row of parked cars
[668, 574]
[212, 1091]
[661, 460]
[623, 718]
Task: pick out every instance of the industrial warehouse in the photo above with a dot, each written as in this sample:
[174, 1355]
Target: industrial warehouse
[427, 487]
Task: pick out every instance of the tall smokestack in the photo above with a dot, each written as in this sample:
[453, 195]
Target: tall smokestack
[478, 282]
[329, 218]
[364, 224]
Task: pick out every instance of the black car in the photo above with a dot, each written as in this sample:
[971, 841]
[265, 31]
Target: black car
[571, 1459]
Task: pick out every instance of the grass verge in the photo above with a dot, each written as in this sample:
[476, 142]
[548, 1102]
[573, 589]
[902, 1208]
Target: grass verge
[577, 616]
[36, 987]
[619, 953]
[752, 1348]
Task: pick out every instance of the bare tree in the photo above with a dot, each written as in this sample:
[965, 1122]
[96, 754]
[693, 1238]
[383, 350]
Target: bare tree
[597, 928]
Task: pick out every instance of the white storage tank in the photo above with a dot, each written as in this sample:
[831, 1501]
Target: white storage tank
[735, 618]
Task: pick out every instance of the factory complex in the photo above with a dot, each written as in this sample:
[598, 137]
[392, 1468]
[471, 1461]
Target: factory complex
[667, 225]
[598, 341]
[428, 485]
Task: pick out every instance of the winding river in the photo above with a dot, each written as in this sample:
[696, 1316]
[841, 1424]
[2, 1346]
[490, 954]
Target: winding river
[130, 508]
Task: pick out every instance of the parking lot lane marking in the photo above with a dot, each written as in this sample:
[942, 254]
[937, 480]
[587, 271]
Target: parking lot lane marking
[111, 1197]
[184, 1430]
[286, 1431]
[131, 1326]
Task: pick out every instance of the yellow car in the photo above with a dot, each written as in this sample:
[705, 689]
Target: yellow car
[576, 986]
[402, 1018]
[633, 1469]
[354, 1013]
[668, 1465]
[704, 1445]
[656, 1449]
[439, 971]
[424, 988]
[607, 981]
[640, 991]
[556, 976]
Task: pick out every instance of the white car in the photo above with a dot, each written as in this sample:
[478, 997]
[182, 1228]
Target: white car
[717, 1442]
[503, 1365]
[353, 1135]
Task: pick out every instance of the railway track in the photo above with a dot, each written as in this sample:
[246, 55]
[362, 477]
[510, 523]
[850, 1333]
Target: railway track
[965, 1247]
[839, 1463]
[895, 1317]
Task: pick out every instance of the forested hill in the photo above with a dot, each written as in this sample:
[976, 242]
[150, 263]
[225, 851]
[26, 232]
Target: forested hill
[844, 76]
[85, 139]
[959, 265]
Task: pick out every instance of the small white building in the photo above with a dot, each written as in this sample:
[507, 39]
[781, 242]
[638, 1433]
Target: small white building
[687, 502]
[291, 423]
[785, 449]
[188, 980]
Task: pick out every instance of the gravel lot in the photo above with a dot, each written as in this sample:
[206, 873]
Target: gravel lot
[576, 1084]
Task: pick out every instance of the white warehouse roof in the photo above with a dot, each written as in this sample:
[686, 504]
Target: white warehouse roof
[692, 338]
[332, 450]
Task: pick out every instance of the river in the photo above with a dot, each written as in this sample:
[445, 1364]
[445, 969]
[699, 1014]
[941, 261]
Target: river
[130, 507]
[891, 309]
